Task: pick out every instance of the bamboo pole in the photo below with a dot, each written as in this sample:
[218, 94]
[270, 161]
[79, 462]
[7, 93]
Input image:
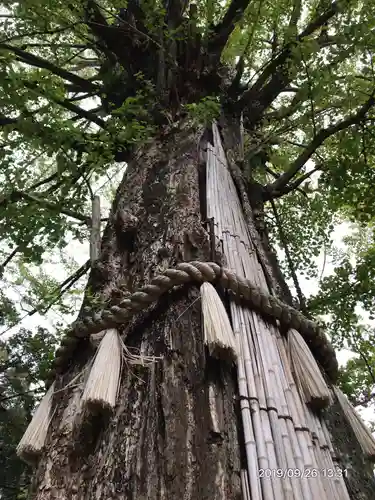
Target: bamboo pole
[245, 485]
[250, 443]
[299, 421]
[263, 436]
[265, 412]
[260, 331]
[95, 237]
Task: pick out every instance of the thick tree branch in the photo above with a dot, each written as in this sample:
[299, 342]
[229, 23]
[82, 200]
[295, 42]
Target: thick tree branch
[321, 136]
[5, 120]
[38, 62]
[285, 53]
[54, 207]
[296, 13]
[175, 10]
[8, 259]
[108, 35]
[223, 30]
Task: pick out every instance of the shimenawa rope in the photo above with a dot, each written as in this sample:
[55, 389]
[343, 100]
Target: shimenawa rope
[199, 272]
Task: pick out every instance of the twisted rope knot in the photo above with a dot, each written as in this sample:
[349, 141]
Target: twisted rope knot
[197, 272]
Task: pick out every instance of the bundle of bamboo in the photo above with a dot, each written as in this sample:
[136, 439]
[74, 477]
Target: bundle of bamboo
[364, 436]
[218, 333]
[281, 432]
[31, 445]
[310, 381]
[101, 388]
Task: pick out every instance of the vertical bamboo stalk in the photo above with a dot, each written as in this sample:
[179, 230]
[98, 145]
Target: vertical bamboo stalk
[245, 485]
[242, 146]
[261, 438]
[95, 237]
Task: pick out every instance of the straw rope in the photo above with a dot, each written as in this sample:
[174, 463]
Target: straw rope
[199, 272]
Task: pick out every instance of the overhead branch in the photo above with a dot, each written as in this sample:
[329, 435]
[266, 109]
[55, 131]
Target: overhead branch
[39, 62]
[267, 195]
[15, 196]
[81, 97]
[286, 111]
[175, 10]
[222, 31]
[121, 152]
[283, 240]
[296, 13]
[318, 140]
[290, 187]
[276, 75]
[68, 283]
[6, 120]
[60, 290]
[37, 391]
[8, 259]
[364, 401]
[108, 36]
[67, 104]
[285, 53]
[240, 66]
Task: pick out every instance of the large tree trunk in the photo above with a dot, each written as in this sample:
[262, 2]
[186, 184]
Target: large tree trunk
[176, 431]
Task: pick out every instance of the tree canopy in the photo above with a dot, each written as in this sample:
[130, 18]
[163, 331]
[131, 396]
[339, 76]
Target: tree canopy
[84, 84]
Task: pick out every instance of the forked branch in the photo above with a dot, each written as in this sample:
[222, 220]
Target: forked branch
[318, 140]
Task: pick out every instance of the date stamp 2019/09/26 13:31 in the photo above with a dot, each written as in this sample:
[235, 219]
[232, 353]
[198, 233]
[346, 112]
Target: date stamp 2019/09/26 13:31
[302, 473]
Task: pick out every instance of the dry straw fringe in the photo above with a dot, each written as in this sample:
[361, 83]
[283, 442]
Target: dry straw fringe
[309, 379]
[102, 385]
[218, 333]
[364, 436]
[137, 359]
[31, 445]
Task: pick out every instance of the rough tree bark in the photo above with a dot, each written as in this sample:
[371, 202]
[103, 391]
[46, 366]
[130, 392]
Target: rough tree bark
[162, 441]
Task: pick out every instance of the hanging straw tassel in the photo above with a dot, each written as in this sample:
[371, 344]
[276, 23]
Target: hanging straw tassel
[308, 376]
[364, 436]
[31, 445]
[218, 333]
[101, 388]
